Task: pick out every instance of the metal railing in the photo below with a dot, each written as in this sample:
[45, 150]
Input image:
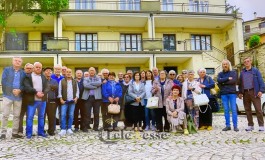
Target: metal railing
[135, 5]
[119, 45]
[254, 30]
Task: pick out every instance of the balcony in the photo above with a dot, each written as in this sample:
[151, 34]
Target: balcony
[117, 46]
[252, 31]
[137, 5]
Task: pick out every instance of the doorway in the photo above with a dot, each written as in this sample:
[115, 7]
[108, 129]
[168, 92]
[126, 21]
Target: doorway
[168, 68]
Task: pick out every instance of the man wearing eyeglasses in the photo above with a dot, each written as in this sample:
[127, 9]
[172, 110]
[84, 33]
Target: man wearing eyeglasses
[185, 74]
[251, 87]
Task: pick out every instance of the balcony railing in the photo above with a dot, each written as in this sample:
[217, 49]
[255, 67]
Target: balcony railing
[255, 30]
[119, 45]
[136, 5]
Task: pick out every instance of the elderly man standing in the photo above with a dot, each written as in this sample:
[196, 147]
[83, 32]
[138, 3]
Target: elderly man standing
[28, 69]
[57, 73]
[79, 107]
[251, 87]
[12, 85]
[68, 93]
[51, 105]
[155, 73]
[92, 96]
[36, 89]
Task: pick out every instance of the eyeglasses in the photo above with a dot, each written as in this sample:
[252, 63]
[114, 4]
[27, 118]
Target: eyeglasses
[184, 73]
[172, 74]
[29, 68]
[126, 77]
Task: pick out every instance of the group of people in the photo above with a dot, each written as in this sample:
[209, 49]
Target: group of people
[53, 89]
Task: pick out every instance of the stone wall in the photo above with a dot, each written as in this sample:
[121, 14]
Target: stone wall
[258, 58]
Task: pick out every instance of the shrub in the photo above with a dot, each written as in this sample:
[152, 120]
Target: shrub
[254, 41]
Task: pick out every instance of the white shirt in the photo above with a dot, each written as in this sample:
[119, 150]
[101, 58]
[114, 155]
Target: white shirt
[37, 84]
[148, 87]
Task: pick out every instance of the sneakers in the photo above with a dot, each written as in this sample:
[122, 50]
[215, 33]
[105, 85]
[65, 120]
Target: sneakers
[209, 128]
[236, 129]
[62, 132]
[153, 128]
[3, 136]
[203, 128]
[226, 129]
[249, 128]
[261, 129]
[16, 136]
[186, 132]
[69, 131]
[147, 128]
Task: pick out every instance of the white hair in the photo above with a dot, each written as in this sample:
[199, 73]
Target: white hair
[104, 70]
[35, 63]
[172, 71]
[229, 64]
[201, 69]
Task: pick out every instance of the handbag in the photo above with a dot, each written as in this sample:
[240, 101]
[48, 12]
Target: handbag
[215, 90]
[200, 100]
[129, 99]
[190, 125]
[152, 102]
[114, 108]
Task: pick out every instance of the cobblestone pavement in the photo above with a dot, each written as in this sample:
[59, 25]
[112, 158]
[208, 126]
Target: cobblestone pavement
[214, 144]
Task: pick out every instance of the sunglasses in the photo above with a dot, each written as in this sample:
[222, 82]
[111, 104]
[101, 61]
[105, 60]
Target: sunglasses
[172, 74]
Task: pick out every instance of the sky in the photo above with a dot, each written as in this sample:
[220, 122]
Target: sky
[248, 7]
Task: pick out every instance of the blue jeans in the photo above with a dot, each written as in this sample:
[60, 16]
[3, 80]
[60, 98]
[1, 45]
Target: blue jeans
[147, 113]
[71, 109]
[229, 101]
[41, 106]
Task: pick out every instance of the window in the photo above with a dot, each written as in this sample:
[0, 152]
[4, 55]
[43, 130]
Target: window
[210, 71]
[44, 38]
[16, 41]
[201, 42]
[199, 6]
[167, 5]
[169, 42]
[134, 69]
[86, 42]
[247, 28]
[130, 5]
[85, 4]
[131, 42]
[262, 25]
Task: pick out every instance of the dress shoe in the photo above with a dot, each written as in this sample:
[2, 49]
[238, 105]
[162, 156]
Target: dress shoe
[16, 136]
[226, 129]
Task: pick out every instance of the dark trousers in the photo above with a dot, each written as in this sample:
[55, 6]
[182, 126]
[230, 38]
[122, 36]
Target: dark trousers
[137, 113]
[51, 113]
[79, 109]
[205, 119]
[23, 112]
[90, 103]
[248, 97]
[160, 113]
[108, 119]
[128, 122]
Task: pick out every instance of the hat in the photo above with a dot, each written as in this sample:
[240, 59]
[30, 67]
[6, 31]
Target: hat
[48, 68]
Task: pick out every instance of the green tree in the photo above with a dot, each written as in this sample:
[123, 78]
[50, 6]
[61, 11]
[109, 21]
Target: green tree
[34, 8]
[254, 41]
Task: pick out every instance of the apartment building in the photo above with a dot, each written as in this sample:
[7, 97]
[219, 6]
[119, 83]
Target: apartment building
[130, 34]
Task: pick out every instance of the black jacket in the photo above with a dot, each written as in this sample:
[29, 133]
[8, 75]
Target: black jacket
[30, 92]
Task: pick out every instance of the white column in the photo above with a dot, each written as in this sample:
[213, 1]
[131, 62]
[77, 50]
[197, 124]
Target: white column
[151, 27]
[239, 38]
[58, 26]
[151, 62]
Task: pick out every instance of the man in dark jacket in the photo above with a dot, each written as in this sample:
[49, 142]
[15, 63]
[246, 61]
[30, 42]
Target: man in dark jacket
[227, 82]
[251, 87]
[28, 69]
[12, 86]
[36, 89]
[51, 104]
[80, 106]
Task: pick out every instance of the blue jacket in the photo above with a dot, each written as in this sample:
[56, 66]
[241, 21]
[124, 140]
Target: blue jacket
[107, 91]
[8, 78]
[209, 83]
[227, 86]
[257, 79]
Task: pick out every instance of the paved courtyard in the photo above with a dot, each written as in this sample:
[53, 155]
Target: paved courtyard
[129, 145]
